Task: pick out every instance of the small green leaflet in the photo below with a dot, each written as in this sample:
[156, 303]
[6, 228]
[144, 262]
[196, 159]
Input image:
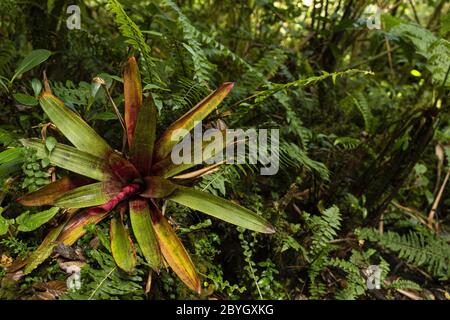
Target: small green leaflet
[29, 222]
[4, 223]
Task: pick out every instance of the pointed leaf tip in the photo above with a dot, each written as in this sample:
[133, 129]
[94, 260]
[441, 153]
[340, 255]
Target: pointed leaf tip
[187, 122]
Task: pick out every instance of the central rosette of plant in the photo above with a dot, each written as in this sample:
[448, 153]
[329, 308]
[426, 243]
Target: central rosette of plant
[137, 180]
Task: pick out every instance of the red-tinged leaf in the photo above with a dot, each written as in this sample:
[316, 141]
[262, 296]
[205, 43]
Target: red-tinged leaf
[72, 159]
[132, 95]
[75, 228]
[174, 252]
[157, 187]
[144, 137]
[122, 168]
[127, 191]
[143, 232]
[122, 247]
[187, 122]
[49, 193]
[90, 195]
[75, 129]
[221, 209]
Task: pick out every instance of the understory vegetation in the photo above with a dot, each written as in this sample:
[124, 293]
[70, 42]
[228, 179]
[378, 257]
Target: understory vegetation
[359, 91]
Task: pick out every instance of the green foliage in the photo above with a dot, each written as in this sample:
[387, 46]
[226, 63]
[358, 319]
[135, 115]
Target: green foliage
[421, 250]
[351, 105]
[103, 280]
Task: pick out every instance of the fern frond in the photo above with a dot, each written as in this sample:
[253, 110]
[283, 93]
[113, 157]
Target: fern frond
[135, 38]
[420, 250]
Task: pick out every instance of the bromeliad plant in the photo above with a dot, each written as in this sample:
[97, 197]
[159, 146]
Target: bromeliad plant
[135, 181]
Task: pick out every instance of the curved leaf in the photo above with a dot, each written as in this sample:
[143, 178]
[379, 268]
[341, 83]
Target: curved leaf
[75, 129]
[72, 159]
[221, 209]
[174, 251]
[33, 59]
[143, 232]
[49, 193]
[75, 228]
[187, 122]
[90, 195]
[44, 250]
[29, 222]
[122, 248]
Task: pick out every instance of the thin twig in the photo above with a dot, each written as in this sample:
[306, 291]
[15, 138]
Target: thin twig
[436, 202]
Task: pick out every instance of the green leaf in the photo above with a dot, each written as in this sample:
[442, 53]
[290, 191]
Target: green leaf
[144, 137]
[132, 91]
[75, 129]
[221, 209]
[4, 223]
[13, 154]
[10, 162]
[141, 224]
[36, 84]
[72, 159]
[32, 60]
[50, 143]
[90, 195]
[174, 252]
[25, 99]
[29, 222]
[44, 250]
[76, 227]
[104, 116]
[187, 122]
[122, 248]
[49, 193]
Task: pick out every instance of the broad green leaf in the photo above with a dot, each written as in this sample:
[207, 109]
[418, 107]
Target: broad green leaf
[90, 195]
[122, 248]
[49, 193]
[4, 223]
[32, 60]
[187, 122]
[25, 99]
[10, 162]
[221, 209]
[11, 155]
[174, 252]
[44, 250]
[133, 96]
[72, 159]
[75, 228]
[75, 129]
[29, 222]
[157, 187]
[144, 137]
[141, 224]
